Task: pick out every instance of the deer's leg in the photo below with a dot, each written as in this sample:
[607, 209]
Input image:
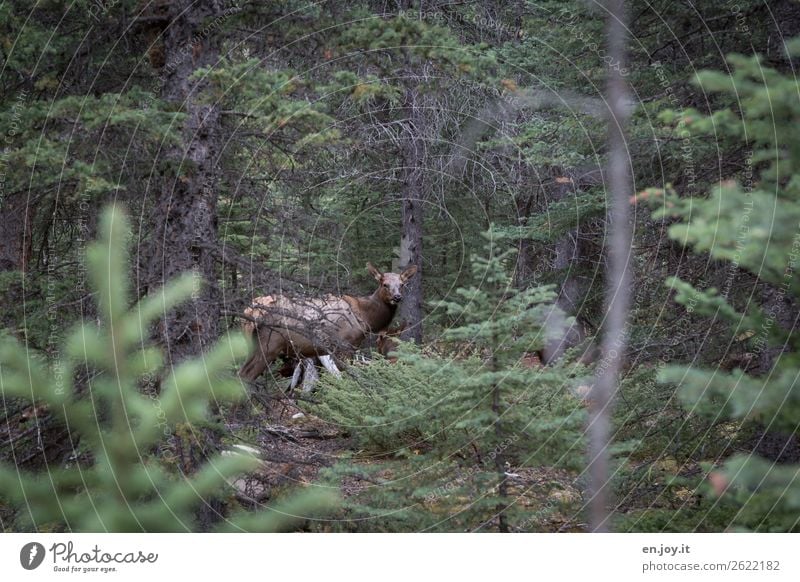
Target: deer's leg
[266, 351]
[298, 372]
[253, 367]
[310, 374]
[328, 363]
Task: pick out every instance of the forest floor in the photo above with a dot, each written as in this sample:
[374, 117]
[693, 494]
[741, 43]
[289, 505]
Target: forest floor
[296, 446]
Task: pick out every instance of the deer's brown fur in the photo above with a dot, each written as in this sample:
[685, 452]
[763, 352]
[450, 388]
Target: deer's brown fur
[387, 342]
[319, 326]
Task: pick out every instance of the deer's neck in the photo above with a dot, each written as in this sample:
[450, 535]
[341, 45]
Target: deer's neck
[376, 314]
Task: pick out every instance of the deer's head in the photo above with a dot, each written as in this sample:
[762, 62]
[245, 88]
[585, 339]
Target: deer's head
[391, 284]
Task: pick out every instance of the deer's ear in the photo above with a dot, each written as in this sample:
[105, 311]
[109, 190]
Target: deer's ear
[375, 272]
[408, 273]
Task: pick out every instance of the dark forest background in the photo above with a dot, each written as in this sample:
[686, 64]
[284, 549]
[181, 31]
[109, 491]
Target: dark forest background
[277, 147]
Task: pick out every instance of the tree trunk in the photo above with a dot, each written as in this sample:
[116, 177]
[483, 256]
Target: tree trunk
[15, 237]
[524, 271]
[500, 458]
[411, 254]
[618, 277]
[565, 262]
[411, 234]
[184, 216]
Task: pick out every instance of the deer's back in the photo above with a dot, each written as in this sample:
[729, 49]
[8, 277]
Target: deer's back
[308, 325]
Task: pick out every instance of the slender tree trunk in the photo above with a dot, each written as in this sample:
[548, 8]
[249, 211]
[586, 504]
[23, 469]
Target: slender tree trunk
[15, 236]
[500, 458]
[500, 466]
[524, 270]
[184, 216]
[618, 279]
[566, 253]
[411, 235]
[15, 249]
[411, 254]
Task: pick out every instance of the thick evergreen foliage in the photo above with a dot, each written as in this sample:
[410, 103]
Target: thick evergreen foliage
[753, 226]
[124, 478]
[465, 423]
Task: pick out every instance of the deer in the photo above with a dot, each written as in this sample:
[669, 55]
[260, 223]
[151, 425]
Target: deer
[281, 326]
[386, 341]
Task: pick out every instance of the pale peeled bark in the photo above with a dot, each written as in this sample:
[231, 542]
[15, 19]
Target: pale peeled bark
[618, 278]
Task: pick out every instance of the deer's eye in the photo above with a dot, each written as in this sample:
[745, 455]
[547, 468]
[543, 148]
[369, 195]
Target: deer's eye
[386, 285]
